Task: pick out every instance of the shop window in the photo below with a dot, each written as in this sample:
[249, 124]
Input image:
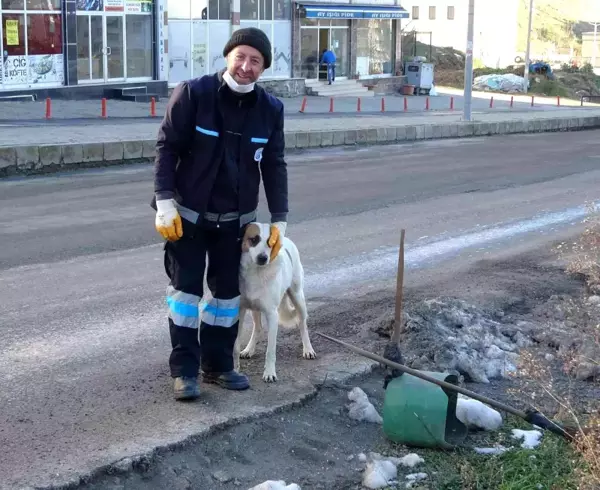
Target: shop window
[450, 12]
[199, 51]
[44, 34]
[13, 34]
[431, 13]
[179, 9]
[13, 5]
[249, 9]
[43, 4]
[415, 13]
[219, 10]
[266, 9]
[282, 49]
[282, 9]
[374, 47]
[138, 29]
[199, 9]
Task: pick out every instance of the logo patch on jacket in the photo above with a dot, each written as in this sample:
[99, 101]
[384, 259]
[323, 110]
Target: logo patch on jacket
[258, 155]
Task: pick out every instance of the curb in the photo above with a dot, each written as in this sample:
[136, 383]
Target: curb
[44, 159]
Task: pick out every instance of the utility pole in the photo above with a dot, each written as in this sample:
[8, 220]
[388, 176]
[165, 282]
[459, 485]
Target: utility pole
[468, 93]
[527, 51]
[595, 47]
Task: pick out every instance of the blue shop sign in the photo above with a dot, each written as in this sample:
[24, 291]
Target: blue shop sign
[353, 11]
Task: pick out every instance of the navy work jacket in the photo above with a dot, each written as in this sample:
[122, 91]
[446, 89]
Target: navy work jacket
[189, 149]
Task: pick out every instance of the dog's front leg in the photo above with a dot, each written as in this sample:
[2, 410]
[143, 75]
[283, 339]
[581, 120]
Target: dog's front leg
[248, 351]
[272, 321]
[238, 340]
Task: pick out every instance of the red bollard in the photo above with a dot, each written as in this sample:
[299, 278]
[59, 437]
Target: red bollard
[405, 104]
[48, 108]
[358, 105]
[303, 106]
[512, 101]
[383, 104]
[330, 104]
[427, 104]
[451, 103]
[104, 108]
[492, 103]
[153, 107]
[532, 100]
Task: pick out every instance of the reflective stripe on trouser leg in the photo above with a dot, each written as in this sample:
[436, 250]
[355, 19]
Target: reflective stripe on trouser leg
[221, 312]
[183, 308]
[218, 331]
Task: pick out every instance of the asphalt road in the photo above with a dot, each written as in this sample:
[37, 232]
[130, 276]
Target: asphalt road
[85, 344]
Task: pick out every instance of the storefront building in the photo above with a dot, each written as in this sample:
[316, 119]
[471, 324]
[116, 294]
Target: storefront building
[364, 37]
[85, 46]
[52, 44]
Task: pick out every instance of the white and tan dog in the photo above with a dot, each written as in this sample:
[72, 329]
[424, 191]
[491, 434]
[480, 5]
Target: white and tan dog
[273, 291]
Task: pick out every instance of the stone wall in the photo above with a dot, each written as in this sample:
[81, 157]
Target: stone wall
[387, 85]
[287, 87]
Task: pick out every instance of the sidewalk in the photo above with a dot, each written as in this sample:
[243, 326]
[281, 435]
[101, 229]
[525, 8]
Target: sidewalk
[11, 111]
[113, 131]
[48, 148]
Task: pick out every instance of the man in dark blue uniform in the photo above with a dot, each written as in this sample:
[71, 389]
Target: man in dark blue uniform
[219, 134]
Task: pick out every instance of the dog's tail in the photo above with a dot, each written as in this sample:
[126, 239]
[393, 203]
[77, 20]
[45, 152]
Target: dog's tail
[288, 314]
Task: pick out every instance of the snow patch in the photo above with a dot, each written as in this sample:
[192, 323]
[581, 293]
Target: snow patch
[414, 478]
[494, 451]
[382, 471]
[473, 413]
[531, 438]
[361, 408]
[275, 485]
[411, 460]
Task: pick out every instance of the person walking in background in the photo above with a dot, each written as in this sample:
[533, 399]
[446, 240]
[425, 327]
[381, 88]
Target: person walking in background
[328, 58]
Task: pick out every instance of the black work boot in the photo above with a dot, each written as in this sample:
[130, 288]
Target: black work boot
[231, 380]
[186, 388]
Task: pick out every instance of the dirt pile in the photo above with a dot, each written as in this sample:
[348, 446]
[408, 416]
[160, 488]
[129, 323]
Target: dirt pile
[448, 334]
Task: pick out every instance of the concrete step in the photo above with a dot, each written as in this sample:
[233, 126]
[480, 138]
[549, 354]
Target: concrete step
[363, 92]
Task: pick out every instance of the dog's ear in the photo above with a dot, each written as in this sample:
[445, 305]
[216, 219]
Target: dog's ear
[251, 237]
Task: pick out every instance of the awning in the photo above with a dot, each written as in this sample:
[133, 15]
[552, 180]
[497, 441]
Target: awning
[353, 11]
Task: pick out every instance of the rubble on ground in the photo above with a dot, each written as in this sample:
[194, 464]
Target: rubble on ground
[447, 334]
[508, 82]
[493, 451]
[361, 408]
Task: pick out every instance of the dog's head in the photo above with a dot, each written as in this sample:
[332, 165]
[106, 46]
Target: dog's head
[255, 247]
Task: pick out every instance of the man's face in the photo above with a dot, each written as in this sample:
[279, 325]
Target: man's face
[245, 64]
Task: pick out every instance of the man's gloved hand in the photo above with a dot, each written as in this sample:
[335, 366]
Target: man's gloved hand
[276, 238]
[168, 221]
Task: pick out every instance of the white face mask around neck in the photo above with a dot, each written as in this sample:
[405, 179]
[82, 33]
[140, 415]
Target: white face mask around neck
[236, 87]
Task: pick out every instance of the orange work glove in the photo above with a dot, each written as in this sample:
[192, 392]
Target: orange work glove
[168, 221]
[276, 239]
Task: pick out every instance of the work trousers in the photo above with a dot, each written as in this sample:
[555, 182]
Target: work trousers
[203, 336]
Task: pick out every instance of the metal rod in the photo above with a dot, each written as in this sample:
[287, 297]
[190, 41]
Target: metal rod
[527, 51]
[398, 327]
[419, 374]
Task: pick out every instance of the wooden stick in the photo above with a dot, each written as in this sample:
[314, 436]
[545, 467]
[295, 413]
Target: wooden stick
[398, 326]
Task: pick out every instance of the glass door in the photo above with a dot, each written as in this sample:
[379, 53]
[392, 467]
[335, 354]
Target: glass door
[339, 45]
[114, 50]
[309, 52]
[90, 49]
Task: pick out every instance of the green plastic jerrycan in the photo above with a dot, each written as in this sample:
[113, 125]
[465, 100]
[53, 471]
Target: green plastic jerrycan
[421, 414]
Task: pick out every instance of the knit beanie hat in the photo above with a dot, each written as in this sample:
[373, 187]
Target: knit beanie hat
[250, 36]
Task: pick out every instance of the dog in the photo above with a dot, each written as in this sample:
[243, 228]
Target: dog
[274, 292]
